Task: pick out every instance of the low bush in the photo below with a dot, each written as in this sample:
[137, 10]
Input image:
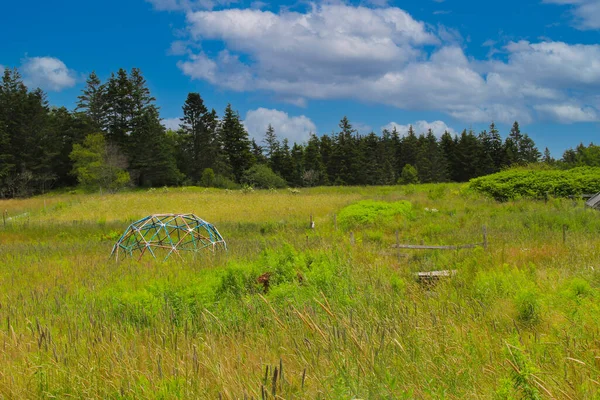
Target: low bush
[537, 183]
[262, 177]
[370, 212]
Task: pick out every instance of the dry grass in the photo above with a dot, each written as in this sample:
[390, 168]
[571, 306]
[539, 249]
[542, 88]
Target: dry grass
[341, 320]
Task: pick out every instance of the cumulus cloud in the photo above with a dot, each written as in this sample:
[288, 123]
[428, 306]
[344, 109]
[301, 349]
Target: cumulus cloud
[568, 113]
[295, 129]
[171, 123]
[384, 55]
[586, 13]
[48, 73]
[438, 128]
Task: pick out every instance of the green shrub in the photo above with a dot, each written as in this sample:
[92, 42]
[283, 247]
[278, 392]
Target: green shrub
[409, 175]
[263, 177]
[208, 177]
[528, 306]
[222, 182]
[537, 183]
[370, 212]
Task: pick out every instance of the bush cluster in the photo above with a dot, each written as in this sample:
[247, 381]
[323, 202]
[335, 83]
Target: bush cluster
[537, 183]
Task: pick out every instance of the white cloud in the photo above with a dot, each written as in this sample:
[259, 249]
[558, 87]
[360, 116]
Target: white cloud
[48, 73]
[438, 128]
[568, 113]
[295, 129]
[381, 55]
[171, 123]
[586, 13]
[362, 128]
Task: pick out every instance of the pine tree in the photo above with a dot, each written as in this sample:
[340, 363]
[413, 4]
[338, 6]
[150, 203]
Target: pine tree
[315, 173]
[346, 155]
[92, 101]
[236, 144]
[372, 165]
[512, 144]
[153, 161]
[409, 148]
[326, 148]
[387, 155]
[118, 108]
[487, 165]
[528, 152]
[496, 148]
[258, 153]
[468, 153]
[297, 161]
[197, 136]
[547, 158]
[68, 129]
[448, 145]
[431, 162]
[271, 142]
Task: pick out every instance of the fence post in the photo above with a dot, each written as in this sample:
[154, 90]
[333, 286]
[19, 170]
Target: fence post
[312, 222]
[398, 245]
[485, 241]
[564, 234]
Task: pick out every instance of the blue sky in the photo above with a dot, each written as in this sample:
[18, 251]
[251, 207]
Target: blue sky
[302, 66]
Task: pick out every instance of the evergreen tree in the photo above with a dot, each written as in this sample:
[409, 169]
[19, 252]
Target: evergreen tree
[297, 167]
[448, 145]
[496, 148]
[92, 101]
[487, 164]
[236, 144]
[468, 153]
[315, 173]
[372, 167]
[528, 152]
[346, 155]
[271, 142]
[118, 108]
[387, 156]
[431, 162]
[547, 158]
[197, 136]
[409, 148]
[153, 162]
[512, 145]
[68, 129]
[258, 153]
[328, 160]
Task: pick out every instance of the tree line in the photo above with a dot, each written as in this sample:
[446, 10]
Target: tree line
[114, 138]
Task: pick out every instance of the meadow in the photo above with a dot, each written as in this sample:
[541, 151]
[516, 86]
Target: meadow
[343, 316]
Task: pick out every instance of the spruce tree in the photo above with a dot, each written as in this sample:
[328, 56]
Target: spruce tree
[271, 142]
[197, 136]
[236, 144]
[153, 159]
[431, 162]
[92, 101]
[315, 173]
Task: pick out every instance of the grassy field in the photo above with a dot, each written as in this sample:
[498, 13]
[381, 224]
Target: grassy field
[341, 318]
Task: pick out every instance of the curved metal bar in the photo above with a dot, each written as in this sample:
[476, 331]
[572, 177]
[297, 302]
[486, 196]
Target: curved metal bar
[172, 232]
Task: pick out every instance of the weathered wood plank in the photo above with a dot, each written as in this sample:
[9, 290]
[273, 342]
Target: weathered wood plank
[425, 247]
[436, 274]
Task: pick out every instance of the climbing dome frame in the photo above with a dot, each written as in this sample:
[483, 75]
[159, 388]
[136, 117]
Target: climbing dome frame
[170, 234]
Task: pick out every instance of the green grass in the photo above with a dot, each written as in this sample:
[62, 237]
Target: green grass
[338, 320]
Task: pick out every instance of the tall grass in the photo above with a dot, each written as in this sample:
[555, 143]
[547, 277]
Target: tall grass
[336, 320]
